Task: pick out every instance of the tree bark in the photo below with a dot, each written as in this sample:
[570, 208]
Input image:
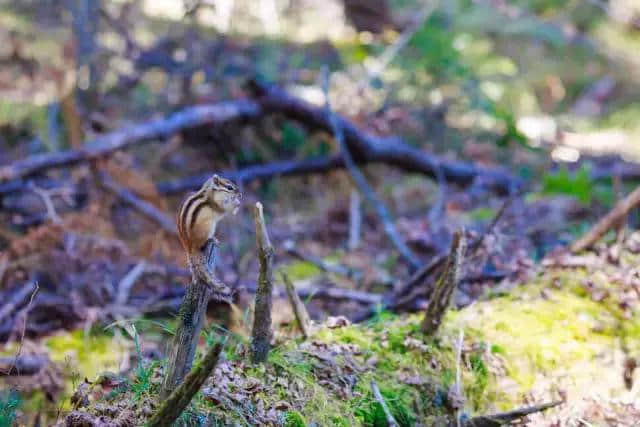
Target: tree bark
[190, 320]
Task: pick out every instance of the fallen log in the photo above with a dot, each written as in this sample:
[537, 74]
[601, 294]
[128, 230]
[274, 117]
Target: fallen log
[369, 148]
[366, 148]
[120, 139]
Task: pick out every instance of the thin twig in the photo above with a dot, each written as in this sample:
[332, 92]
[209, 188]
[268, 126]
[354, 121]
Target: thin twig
[24, 324]
[144, 207]
[127, 282]
[361, 182]
[45, 196]
[391, 422]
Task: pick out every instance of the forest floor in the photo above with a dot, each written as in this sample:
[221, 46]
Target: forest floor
[566, 335]
[89, 285]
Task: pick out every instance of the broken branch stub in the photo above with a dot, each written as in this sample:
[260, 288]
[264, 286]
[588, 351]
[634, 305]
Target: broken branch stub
[261, 333]
[190, 320]
[445, 286]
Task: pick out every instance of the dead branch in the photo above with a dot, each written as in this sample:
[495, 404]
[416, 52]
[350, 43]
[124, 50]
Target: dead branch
[363, 186]
[173, 406]
[23, 365]
[610, 220]
[120, 139]
[144, 207]
[368, 148]
[444, 288]
[261, 332]
[391, 422]
[503, 418]
[404, 294]
[299, 310]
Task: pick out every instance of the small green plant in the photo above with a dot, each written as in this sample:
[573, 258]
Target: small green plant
[9, 404]
[578, 184]
[142, 381]
[370, 412]
[294, 419]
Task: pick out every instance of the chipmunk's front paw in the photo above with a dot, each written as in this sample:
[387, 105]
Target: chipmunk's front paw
[209, 244]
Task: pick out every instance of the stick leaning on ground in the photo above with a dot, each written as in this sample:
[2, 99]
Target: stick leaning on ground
[173, 406]
[615, 215]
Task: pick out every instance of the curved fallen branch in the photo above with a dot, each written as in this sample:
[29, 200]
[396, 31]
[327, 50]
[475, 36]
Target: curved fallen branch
[369, 148]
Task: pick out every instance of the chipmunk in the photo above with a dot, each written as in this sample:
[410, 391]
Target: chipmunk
[198, 218]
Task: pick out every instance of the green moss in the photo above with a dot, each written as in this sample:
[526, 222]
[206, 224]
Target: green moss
[86, 355]
[482, 214]
[300, 270]
[541, 331]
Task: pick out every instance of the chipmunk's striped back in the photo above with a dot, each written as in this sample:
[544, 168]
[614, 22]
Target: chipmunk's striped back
[188, 212]
[201, 211]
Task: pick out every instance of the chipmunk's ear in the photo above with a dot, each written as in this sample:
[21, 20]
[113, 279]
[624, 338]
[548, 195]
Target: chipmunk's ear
[215, 179]
[209, 183]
